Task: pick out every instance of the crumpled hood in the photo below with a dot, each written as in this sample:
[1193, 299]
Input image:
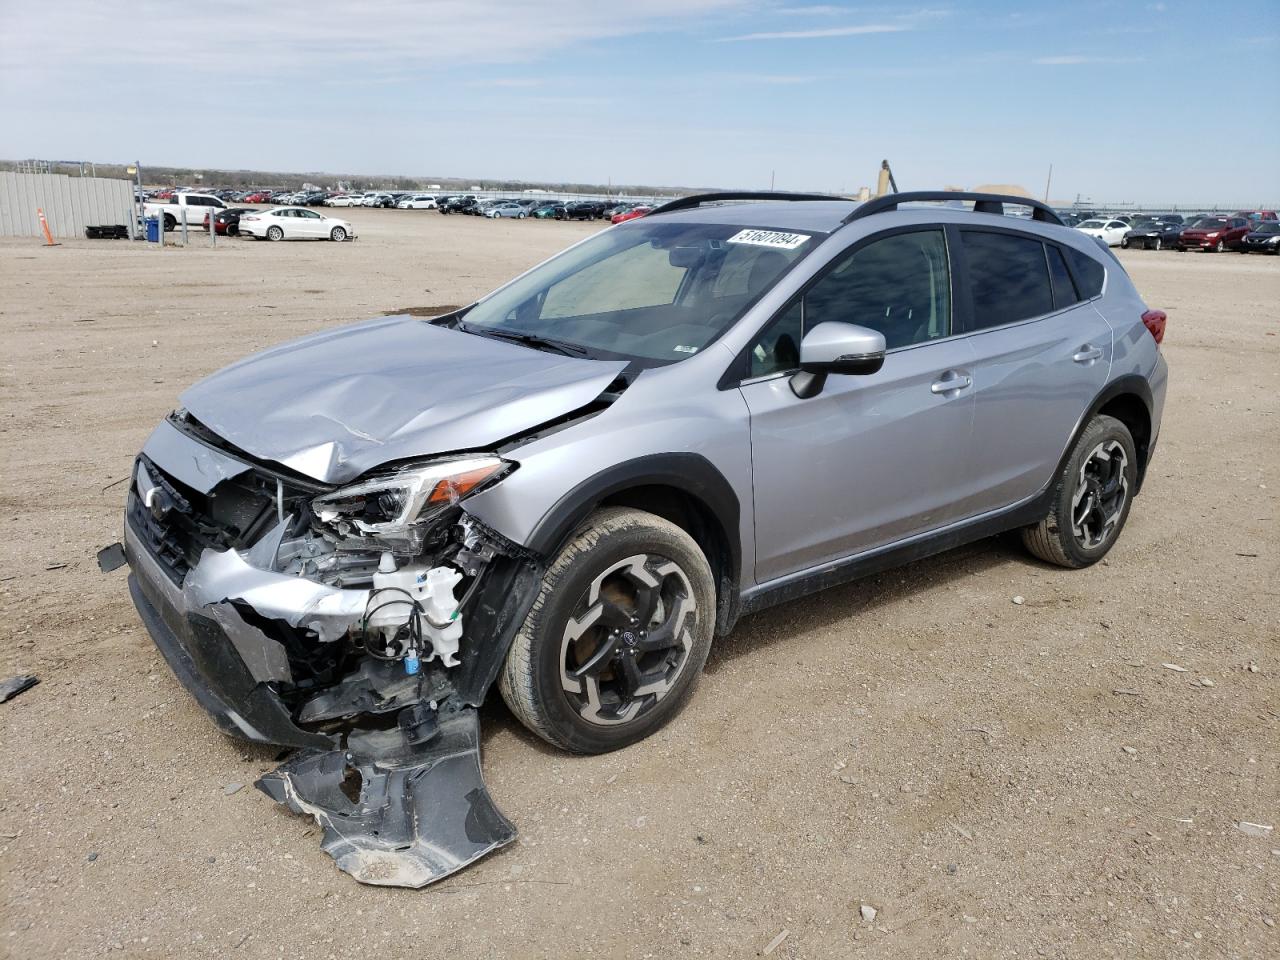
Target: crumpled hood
[336, 404]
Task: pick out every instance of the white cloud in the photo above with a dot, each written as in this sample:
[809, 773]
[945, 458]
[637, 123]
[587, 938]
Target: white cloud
[1070, 59]
[819, 33]
[818, 10]
[42, 41]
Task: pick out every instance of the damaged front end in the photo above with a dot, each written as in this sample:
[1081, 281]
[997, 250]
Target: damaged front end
[361, 625]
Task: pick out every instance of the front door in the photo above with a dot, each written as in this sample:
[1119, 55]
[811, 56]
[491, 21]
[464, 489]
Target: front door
[871, 459]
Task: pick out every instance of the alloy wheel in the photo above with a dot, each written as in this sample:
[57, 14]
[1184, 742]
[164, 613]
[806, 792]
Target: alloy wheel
[1101, 493]
[628, 640]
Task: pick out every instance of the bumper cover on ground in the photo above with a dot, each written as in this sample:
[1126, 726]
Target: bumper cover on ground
[422, 811]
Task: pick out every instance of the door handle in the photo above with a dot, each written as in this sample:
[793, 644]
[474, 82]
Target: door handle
[958, 382]
[1087, 353]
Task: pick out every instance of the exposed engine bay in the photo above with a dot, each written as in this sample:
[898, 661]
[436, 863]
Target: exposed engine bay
[361, 625]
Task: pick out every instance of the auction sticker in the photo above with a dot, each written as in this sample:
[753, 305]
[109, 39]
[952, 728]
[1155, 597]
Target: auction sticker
[769, 238]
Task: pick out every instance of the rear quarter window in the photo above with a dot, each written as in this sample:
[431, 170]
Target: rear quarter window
[1089, 273]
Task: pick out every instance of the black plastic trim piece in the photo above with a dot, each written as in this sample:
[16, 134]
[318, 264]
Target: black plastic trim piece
[982, 203]
[865, 565]
[689, 473]
[698, 199]
[1131, 384]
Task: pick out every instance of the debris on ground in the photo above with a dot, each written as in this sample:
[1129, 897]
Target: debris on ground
[1019, 600]
[111, 558]
[231, 788]
[1263, 830]
[1174, 667]
[15, 685]
[1206, 682]
[775, 943]
[868, 913]
[1129, 750]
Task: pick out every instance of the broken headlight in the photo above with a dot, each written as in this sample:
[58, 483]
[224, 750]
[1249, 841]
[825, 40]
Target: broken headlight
[395, 509]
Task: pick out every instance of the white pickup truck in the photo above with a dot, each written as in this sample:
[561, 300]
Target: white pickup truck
[197, 206]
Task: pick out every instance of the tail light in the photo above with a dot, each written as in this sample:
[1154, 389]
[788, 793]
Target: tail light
[1154, 321]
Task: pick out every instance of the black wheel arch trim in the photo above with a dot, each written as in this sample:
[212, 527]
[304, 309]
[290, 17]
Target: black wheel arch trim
[689, 473]
[1130, 384]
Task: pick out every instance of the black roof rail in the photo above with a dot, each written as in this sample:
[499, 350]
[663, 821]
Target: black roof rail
[698, 199]
[982, 203]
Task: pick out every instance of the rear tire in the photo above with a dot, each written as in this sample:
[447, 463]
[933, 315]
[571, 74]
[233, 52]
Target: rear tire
[1124, 243]
[275, 233]
[616, 639]
[1091, 498]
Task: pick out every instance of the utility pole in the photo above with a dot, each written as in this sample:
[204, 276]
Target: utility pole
[1048, 181]
[772, 174]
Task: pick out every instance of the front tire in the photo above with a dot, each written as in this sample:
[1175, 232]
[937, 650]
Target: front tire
[275, 233]
[337, 234]
[1091, 498]
[1219, 247]
[1159, 244]
[616, 639]
[1124, 243]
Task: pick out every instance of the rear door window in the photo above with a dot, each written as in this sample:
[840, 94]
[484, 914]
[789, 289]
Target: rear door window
[1008, 278]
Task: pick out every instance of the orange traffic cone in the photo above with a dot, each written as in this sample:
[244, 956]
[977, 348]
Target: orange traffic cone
[44, 225]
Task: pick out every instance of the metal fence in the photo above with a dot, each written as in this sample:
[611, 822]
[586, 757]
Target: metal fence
[69, 203]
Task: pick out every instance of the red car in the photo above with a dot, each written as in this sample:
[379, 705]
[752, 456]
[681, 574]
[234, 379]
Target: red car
[262, 197]
[1256, 214]
[630, 214]
[1214, 233]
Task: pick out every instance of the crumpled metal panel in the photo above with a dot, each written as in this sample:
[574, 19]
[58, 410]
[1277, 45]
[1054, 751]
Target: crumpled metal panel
[306, 604]
[198, 466]
[335, 405]
[423, 810]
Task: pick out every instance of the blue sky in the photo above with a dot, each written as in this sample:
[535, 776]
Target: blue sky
[1132, 101]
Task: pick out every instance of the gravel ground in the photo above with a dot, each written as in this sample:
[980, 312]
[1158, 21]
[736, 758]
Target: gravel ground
[994, 779]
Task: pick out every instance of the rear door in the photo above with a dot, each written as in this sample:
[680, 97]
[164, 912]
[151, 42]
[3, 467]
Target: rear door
[1042, 353]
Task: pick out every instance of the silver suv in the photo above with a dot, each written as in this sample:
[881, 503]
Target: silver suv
[570, 487]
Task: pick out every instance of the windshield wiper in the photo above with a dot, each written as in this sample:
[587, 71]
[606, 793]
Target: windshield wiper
[563, 347]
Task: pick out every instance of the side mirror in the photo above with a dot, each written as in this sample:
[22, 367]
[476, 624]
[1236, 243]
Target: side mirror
[839, 348]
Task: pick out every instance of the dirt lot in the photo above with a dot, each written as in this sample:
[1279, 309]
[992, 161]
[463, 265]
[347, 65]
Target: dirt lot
[997, 780]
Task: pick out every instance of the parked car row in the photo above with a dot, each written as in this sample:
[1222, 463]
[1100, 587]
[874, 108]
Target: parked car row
[1243, 231]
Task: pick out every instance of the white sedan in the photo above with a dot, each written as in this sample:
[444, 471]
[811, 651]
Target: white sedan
[1110, 232]
[419, 202]
[294, 223]
[344, 200]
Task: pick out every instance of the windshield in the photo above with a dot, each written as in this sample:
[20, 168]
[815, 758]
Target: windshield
[1267, 228]
[1091, 224]
[652, 290]
[1211, 223]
